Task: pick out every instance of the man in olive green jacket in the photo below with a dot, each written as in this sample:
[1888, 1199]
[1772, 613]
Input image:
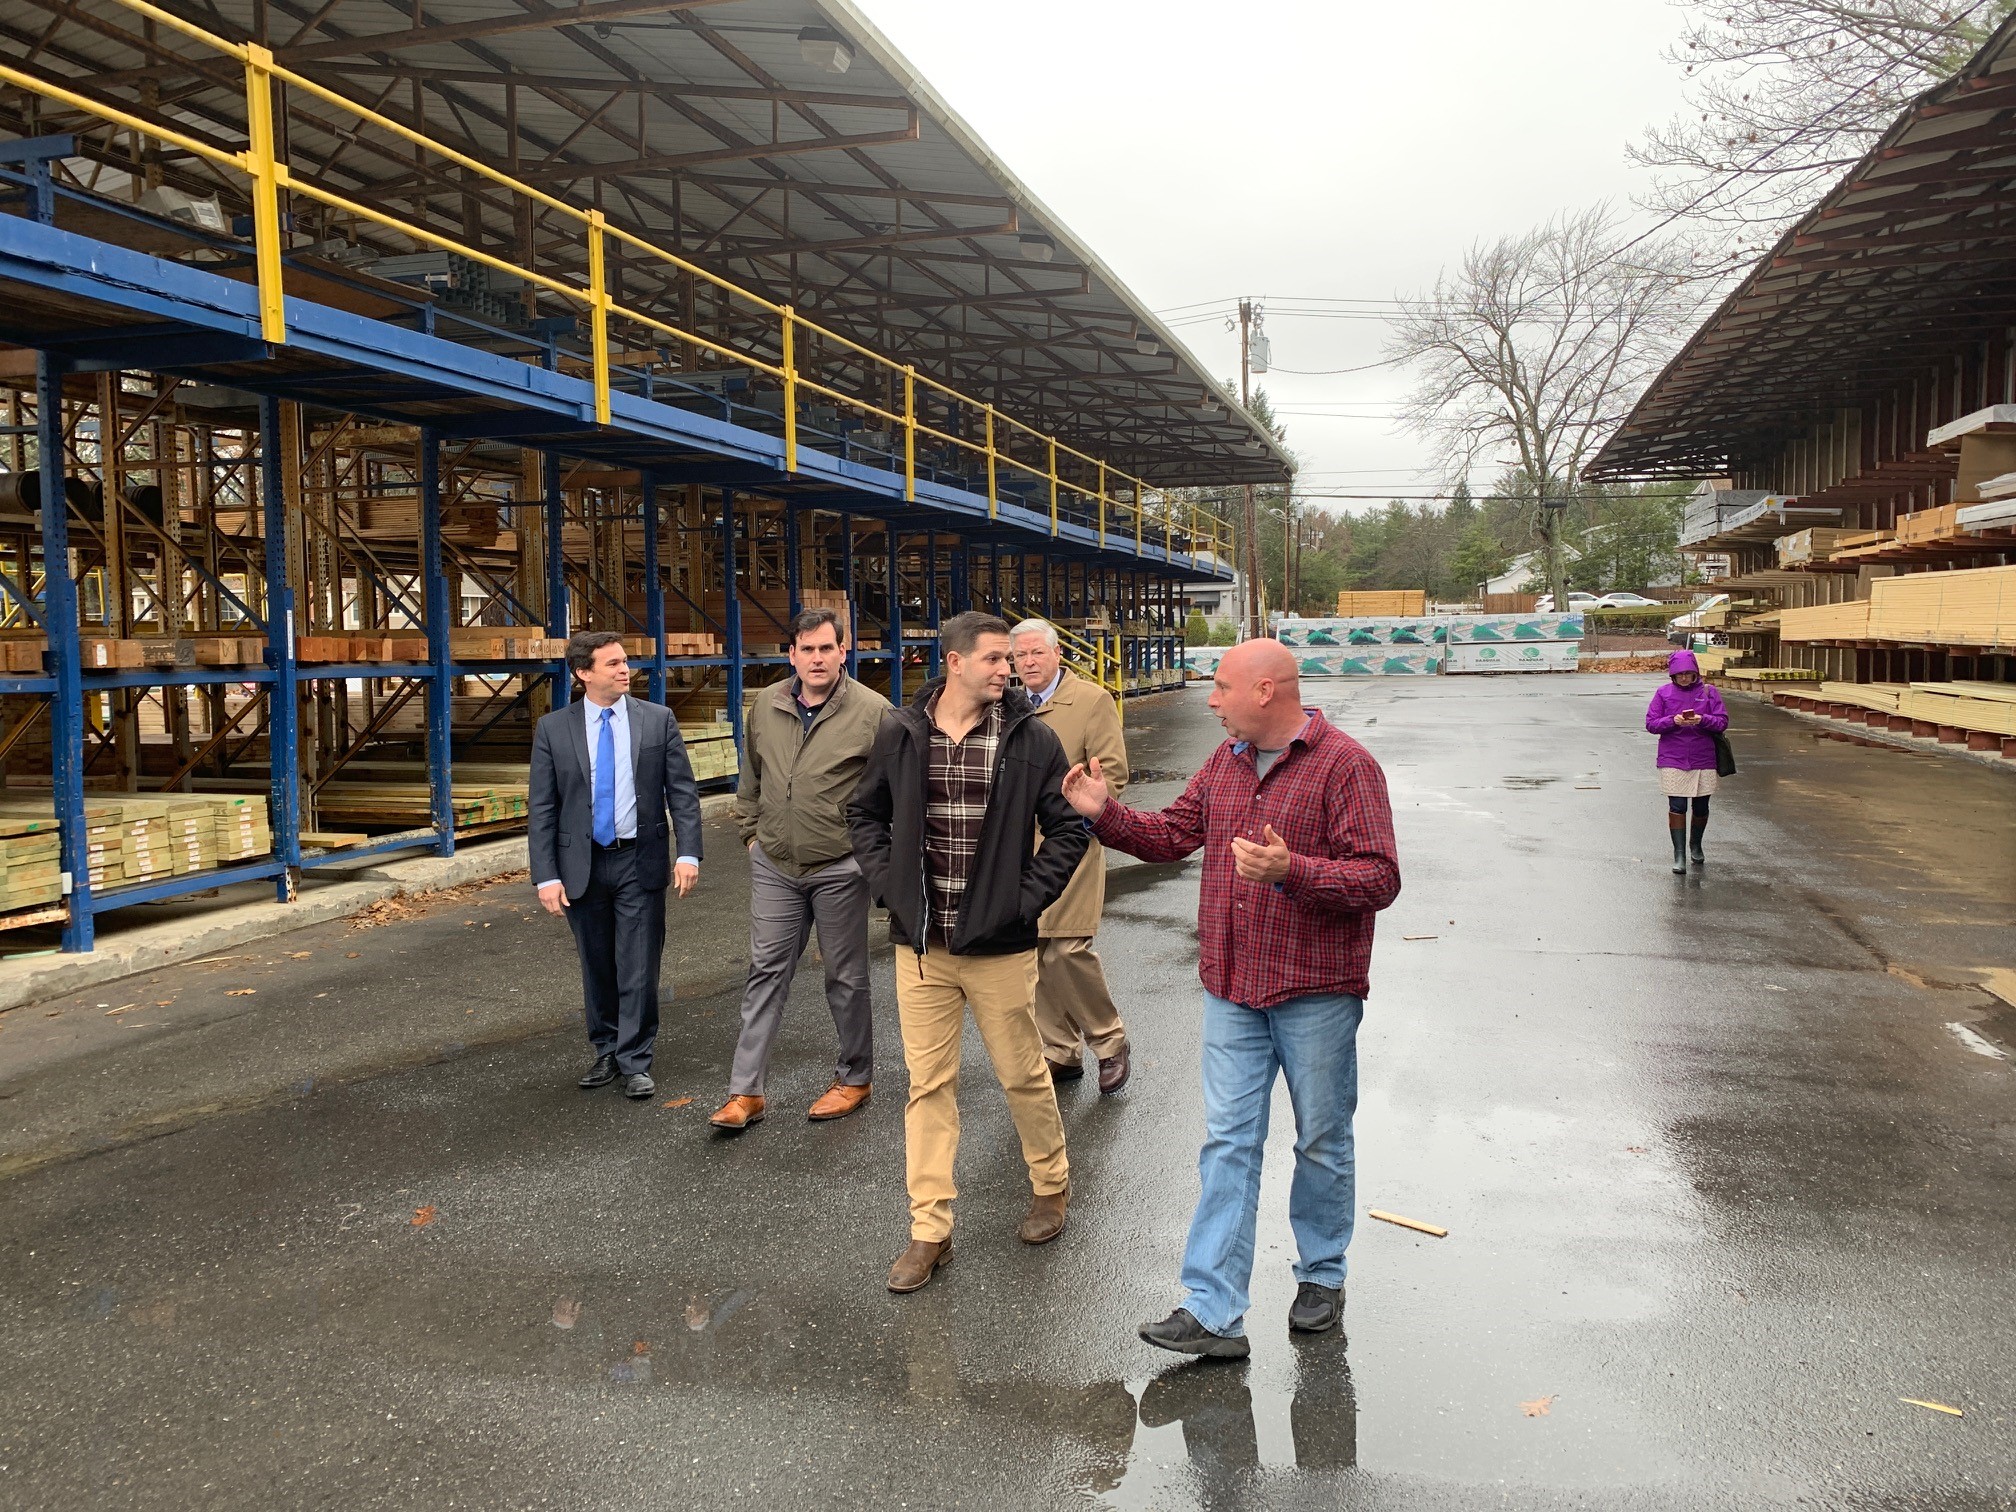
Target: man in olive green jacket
[804, 746]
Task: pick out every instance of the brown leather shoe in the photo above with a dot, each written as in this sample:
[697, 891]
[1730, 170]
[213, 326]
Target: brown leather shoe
[917, 1264]
[838, 1101]
[1045, 1220]
[1114, 1070]
[738, 1112]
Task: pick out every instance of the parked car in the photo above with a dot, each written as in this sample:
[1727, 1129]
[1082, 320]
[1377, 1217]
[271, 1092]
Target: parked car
[1578, 602]
[1626, 601]
[1686, 629]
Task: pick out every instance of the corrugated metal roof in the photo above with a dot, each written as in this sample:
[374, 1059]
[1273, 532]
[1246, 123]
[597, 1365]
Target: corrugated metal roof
[1908, 261]
[862, 198]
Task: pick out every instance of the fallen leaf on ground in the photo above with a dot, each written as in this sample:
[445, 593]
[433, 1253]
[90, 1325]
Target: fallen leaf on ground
[1538, 1407]
[1935, 1406]
[566, 1312]
[678, 1102]
[351, 955]
[423, 1216]
[299, 955]
[240, 991]
[639, 1346]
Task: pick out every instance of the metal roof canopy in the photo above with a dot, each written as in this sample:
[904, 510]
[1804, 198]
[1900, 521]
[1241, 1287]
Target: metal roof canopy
[1906, 262]
[862, 198]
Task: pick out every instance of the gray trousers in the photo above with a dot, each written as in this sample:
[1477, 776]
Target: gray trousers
[782, 911]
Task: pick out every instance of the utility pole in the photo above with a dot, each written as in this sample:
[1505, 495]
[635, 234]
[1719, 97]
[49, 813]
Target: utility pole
[1251, 521]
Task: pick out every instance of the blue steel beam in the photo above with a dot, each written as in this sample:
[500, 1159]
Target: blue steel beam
[440, 691]
[731, 597]
[66, 713]
[654, 588]
[283, 704]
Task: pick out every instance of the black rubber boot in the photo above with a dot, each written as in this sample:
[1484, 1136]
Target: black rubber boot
[1679, 834]
[1694, 833]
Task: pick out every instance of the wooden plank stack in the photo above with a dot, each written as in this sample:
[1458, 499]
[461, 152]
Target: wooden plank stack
[1928, 524]
[1880, 697]
[408, 805]
[129, 838]
[1978, 706]
[1354, 603]
[466, 643]
[22, 654]
[30, 859]
[1975, 607]
[711, 749]
[1816, 544]
[1826, 622]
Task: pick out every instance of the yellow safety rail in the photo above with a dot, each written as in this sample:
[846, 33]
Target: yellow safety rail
[1064, 471]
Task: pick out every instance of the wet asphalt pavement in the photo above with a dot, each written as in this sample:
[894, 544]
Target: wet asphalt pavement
[1722, 1186]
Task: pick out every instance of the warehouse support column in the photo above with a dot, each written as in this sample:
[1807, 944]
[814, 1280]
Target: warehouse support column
[731, 597]
[994, 574]
[654, 587]
[283, 694]
[962, 577]
[847, 588]
[556, 571]
[440, 689]
[794, 584]
[59, 615]
[895, 622]
[932, 616]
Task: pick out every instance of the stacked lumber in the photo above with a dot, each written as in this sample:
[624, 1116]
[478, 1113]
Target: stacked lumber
[30, 860]
[1815, 544]
[1980, 706]
[131, 838]
[1928, 524]
[23, 654]
[1826, 622]
[357, 646]
[106, 653]
[711, 749]
[1354, 603]
[1976, 607]
[504, 643]
[472, 643]
[397, 518]
[409, 805]
[1880, 697]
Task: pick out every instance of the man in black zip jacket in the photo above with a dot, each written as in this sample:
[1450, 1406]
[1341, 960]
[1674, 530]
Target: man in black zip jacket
[944, 825]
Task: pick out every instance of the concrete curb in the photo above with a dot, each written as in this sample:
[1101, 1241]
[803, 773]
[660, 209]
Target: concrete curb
[39, 978]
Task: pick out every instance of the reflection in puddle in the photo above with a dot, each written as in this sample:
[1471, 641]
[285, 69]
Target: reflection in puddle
[1211, 1431]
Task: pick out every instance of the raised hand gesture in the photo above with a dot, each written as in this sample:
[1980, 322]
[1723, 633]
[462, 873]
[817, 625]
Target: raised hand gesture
[1086, 791]
[1261, 862]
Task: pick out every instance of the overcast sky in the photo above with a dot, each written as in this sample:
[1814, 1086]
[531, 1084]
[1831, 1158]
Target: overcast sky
[1299, 150]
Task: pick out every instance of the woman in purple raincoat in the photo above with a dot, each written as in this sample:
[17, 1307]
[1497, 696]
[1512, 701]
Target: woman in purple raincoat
[1686, 714]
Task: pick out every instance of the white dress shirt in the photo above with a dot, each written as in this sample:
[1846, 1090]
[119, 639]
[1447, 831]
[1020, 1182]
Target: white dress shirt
[626, 770]
[1038, 699]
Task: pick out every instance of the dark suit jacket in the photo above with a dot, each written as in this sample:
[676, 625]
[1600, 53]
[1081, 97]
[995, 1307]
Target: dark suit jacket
[561, 803]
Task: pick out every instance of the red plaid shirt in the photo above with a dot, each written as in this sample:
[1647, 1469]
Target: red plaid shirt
[1261, 943]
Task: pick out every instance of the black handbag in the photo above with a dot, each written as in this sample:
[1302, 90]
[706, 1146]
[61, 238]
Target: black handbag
[1725, 758]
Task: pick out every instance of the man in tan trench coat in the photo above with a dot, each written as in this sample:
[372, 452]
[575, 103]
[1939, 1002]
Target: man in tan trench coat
[1073, 1007]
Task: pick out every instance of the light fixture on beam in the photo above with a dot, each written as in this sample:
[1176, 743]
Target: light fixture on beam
[825, 49]
[1037, 247]
[1145, 343]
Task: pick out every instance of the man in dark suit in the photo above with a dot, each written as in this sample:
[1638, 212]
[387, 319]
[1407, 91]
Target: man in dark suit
[606, 770]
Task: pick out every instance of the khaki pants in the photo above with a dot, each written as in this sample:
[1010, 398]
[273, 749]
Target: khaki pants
[1072, 1003]
[932, 992]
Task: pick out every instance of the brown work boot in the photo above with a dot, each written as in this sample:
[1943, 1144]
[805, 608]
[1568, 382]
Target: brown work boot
[1114, 1070]
[738, 1112]
[838, 1101]
[1045, 1220]
[917, 1264]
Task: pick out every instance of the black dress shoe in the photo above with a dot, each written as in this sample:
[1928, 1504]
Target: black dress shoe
[639, 1085]
[600, 1074]
[1060, 1072]
[1316, 1309]
[1182, 1333]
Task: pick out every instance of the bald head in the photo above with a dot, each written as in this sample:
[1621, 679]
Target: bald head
[1257, 694]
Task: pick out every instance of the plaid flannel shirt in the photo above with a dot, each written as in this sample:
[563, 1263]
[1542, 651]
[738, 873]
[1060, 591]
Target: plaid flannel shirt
[958, 776]
[1260, 944]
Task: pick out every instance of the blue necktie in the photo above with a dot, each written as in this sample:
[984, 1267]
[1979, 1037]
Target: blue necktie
[605, 780]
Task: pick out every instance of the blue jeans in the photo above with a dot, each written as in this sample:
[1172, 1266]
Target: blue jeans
[1314, 1040]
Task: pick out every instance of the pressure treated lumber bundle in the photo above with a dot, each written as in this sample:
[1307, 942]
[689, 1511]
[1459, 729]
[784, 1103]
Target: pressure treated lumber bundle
[130, 838]
[1957, 705]
[1815, 544]
[1881, 697]
[1928, 524]
[1976, 607]
[1846, 621]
